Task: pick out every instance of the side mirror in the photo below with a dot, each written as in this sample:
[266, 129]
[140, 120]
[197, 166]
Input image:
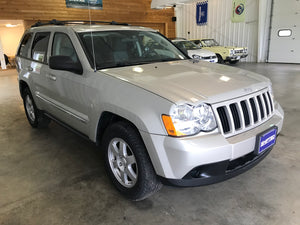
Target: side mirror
[66, 63]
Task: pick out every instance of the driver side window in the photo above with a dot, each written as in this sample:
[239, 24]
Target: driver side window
[62, 46]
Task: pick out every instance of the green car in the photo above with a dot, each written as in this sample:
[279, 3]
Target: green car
[224, 53]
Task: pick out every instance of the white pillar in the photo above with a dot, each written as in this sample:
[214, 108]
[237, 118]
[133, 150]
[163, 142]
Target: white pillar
[2, 59]
[264, 19]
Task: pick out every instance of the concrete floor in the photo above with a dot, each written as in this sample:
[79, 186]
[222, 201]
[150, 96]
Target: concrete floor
[51, 176]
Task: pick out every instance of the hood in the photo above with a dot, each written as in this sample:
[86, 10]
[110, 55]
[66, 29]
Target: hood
[201, 52]
[191, 81]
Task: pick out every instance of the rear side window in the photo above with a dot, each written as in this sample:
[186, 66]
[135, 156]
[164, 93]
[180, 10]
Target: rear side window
[40, 46]
[25, 44]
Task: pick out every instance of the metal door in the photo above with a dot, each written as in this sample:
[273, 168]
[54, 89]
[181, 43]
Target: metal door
[285, 32]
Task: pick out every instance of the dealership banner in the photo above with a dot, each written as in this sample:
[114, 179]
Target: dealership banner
[84, 4]
[201, 13]
[238, 11]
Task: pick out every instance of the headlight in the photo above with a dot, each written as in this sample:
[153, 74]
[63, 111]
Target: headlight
[196, 57]
[231, 52]
[189, 120]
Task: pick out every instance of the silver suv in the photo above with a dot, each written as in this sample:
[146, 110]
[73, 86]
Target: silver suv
[157, 115]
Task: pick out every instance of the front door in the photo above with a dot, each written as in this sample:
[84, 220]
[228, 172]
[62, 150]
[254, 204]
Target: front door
[70, 102]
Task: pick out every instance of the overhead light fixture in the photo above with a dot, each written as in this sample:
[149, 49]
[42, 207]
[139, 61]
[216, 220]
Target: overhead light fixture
[11, 25]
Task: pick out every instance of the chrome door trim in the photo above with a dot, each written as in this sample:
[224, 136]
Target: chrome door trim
[80, 118]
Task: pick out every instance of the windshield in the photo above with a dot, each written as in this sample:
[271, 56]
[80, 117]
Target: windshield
[188, 45]
[210, 42]
[126, 48]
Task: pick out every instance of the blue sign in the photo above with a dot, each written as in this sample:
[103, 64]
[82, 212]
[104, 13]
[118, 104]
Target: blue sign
[201, 13]
[267, 140]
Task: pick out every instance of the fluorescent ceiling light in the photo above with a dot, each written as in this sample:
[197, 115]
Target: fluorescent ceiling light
[11, 25]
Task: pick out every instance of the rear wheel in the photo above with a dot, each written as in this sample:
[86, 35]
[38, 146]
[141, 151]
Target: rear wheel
[128, 163]
[35, 117]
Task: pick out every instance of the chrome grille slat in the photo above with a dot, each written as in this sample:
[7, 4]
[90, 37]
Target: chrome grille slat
[270, 101]
[231, 122]
[257, 109]
[266, 103]
[249, 112]
[241, 114]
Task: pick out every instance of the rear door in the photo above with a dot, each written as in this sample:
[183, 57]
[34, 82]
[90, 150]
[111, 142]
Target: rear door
[285, 32]
[37, 68]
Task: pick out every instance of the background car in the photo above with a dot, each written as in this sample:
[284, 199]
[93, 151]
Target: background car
[224, 53]
[195, 51]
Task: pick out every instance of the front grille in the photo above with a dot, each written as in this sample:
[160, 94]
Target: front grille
[244, 113]
[239, 51]
[209, 57]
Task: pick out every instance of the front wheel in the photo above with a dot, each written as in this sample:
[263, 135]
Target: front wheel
[234, 62]
[128, 163]
[220, 59]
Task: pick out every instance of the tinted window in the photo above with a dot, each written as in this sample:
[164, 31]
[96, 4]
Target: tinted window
[40, 46]
[24, 47]
[125, 48]
[63, 46]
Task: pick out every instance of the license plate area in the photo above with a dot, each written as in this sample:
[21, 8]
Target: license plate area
[265, 140]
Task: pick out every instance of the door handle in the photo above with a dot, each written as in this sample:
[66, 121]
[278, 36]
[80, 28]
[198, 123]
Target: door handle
[51, 77]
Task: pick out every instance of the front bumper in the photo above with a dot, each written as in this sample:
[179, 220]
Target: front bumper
[236, 57]
[176, 160]
[213, 60]
[217, 172]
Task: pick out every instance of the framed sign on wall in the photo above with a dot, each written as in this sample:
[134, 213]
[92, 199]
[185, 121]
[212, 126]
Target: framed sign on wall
[201, 13]
[84, 4]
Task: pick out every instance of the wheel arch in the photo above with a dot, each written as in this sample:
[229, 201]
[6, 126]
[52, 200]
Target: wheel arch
[106, 119]
[22, 86]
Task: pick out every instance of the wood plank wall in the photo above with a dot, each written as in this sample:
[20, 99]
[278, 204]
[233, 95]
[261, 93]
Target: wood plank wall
[135, 12]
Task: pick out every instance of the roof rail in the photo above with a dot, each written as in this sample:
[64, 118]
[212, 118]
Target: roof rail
[64, 22]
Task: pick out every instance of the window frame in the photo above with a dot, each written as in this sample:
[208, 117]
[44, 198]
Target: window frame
[29, 47]
[45, 61]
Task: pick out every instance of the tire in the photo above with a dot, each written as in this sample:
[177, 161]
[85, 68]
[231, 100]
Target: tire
[34, 116]
[220, 59]
[127, 162]
[234, 62]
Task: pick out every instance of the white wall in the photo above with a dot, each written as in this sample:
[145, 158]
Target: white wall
[219, 25]
[10, 38]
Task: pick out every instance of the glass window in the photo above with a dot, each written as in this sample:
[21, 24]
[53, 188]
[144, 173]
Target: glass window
[210, 42]
[126, 48]
[190, 45]
[40, 46]
[63, 46]
[25, 44]
[285, 33]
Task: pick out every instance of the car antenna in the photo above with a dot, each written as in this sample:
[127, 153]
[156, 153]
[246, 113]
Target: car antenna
[92, 38]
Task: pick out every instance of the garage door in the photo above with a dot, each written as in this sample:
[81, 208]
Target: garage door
[285, 32]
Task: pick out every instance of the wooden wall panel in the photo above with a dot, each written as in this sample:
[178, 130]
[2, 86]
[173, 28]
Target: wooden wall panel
[136, 12]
